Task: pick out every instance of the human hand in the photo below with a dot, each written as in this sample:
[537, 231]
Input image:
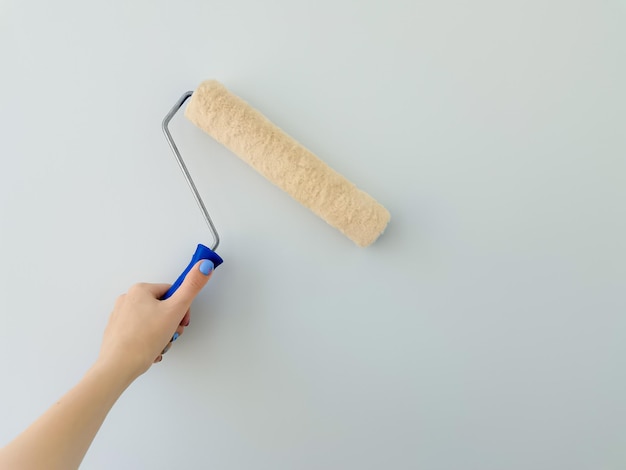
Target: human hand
[141, 326]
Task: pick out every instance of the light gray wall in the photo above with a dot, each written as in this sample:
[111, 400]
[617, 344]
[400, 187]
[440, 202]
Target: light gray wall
[485, 330]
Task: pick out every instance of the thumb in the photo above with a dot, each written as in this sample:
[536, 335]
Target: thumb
[195, 280]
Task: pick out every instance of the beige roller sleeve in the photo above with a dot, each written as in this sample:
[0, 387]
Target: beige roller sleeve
[286, 163]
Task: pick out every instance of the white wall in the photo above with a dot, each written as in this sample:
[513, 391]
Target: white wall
[485, 329]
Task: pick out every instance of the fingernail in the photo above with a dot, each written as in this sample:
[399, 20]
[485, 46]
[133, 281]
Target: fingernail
[175, 337]
[206, 267]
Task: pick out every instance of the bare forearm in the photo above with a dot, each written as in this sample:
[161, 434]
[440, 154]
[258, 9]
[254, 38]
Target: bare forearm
[139, 328]
[60, 438]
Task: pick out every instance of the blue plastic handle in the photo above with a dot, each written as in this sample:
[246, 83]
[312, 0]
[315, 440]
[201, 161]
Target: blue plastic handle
[202, 252]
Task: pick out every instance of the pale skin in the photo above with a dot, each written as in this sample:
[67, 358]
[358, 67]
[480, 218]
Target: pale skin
[139, 329]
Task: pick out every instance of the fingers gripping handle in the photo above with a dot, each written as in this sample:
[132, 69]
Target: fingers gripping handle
[202, 252]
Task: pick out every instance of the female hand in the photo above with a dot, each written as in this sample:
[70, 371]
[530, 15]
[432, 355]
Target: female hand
[141, 326]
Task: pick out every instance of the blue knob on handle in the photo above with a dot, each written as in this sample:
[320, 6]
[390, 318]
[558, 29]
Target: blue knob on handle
[202, 252]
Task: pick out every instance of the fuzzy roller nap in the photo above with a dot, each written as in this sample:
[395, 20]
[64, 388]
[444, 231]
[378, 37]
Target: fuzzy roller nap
[286, 163]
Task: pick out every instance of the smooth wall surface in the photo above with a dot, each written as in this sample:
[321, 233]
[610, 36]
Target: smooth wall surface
[485, 330]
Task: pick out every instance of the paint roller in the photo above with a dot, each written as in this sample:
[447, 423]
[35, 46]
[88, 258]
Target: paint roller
[279, 158]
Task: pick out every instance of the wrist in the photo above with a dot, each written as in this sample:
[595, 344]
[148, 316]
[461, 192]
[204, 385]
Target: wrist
[114, 372]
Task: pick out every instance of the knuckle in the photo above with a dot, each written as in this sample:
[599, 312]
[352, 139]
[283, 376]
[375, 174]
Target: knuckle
[135, 288]
[196, 283]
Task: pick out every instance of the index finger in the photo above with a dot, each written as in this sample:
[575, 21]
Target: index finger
[157, 290]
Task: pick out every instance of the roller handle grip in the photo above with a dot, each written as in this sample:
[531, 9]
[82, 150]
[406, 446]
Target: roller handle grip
[202, 252]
